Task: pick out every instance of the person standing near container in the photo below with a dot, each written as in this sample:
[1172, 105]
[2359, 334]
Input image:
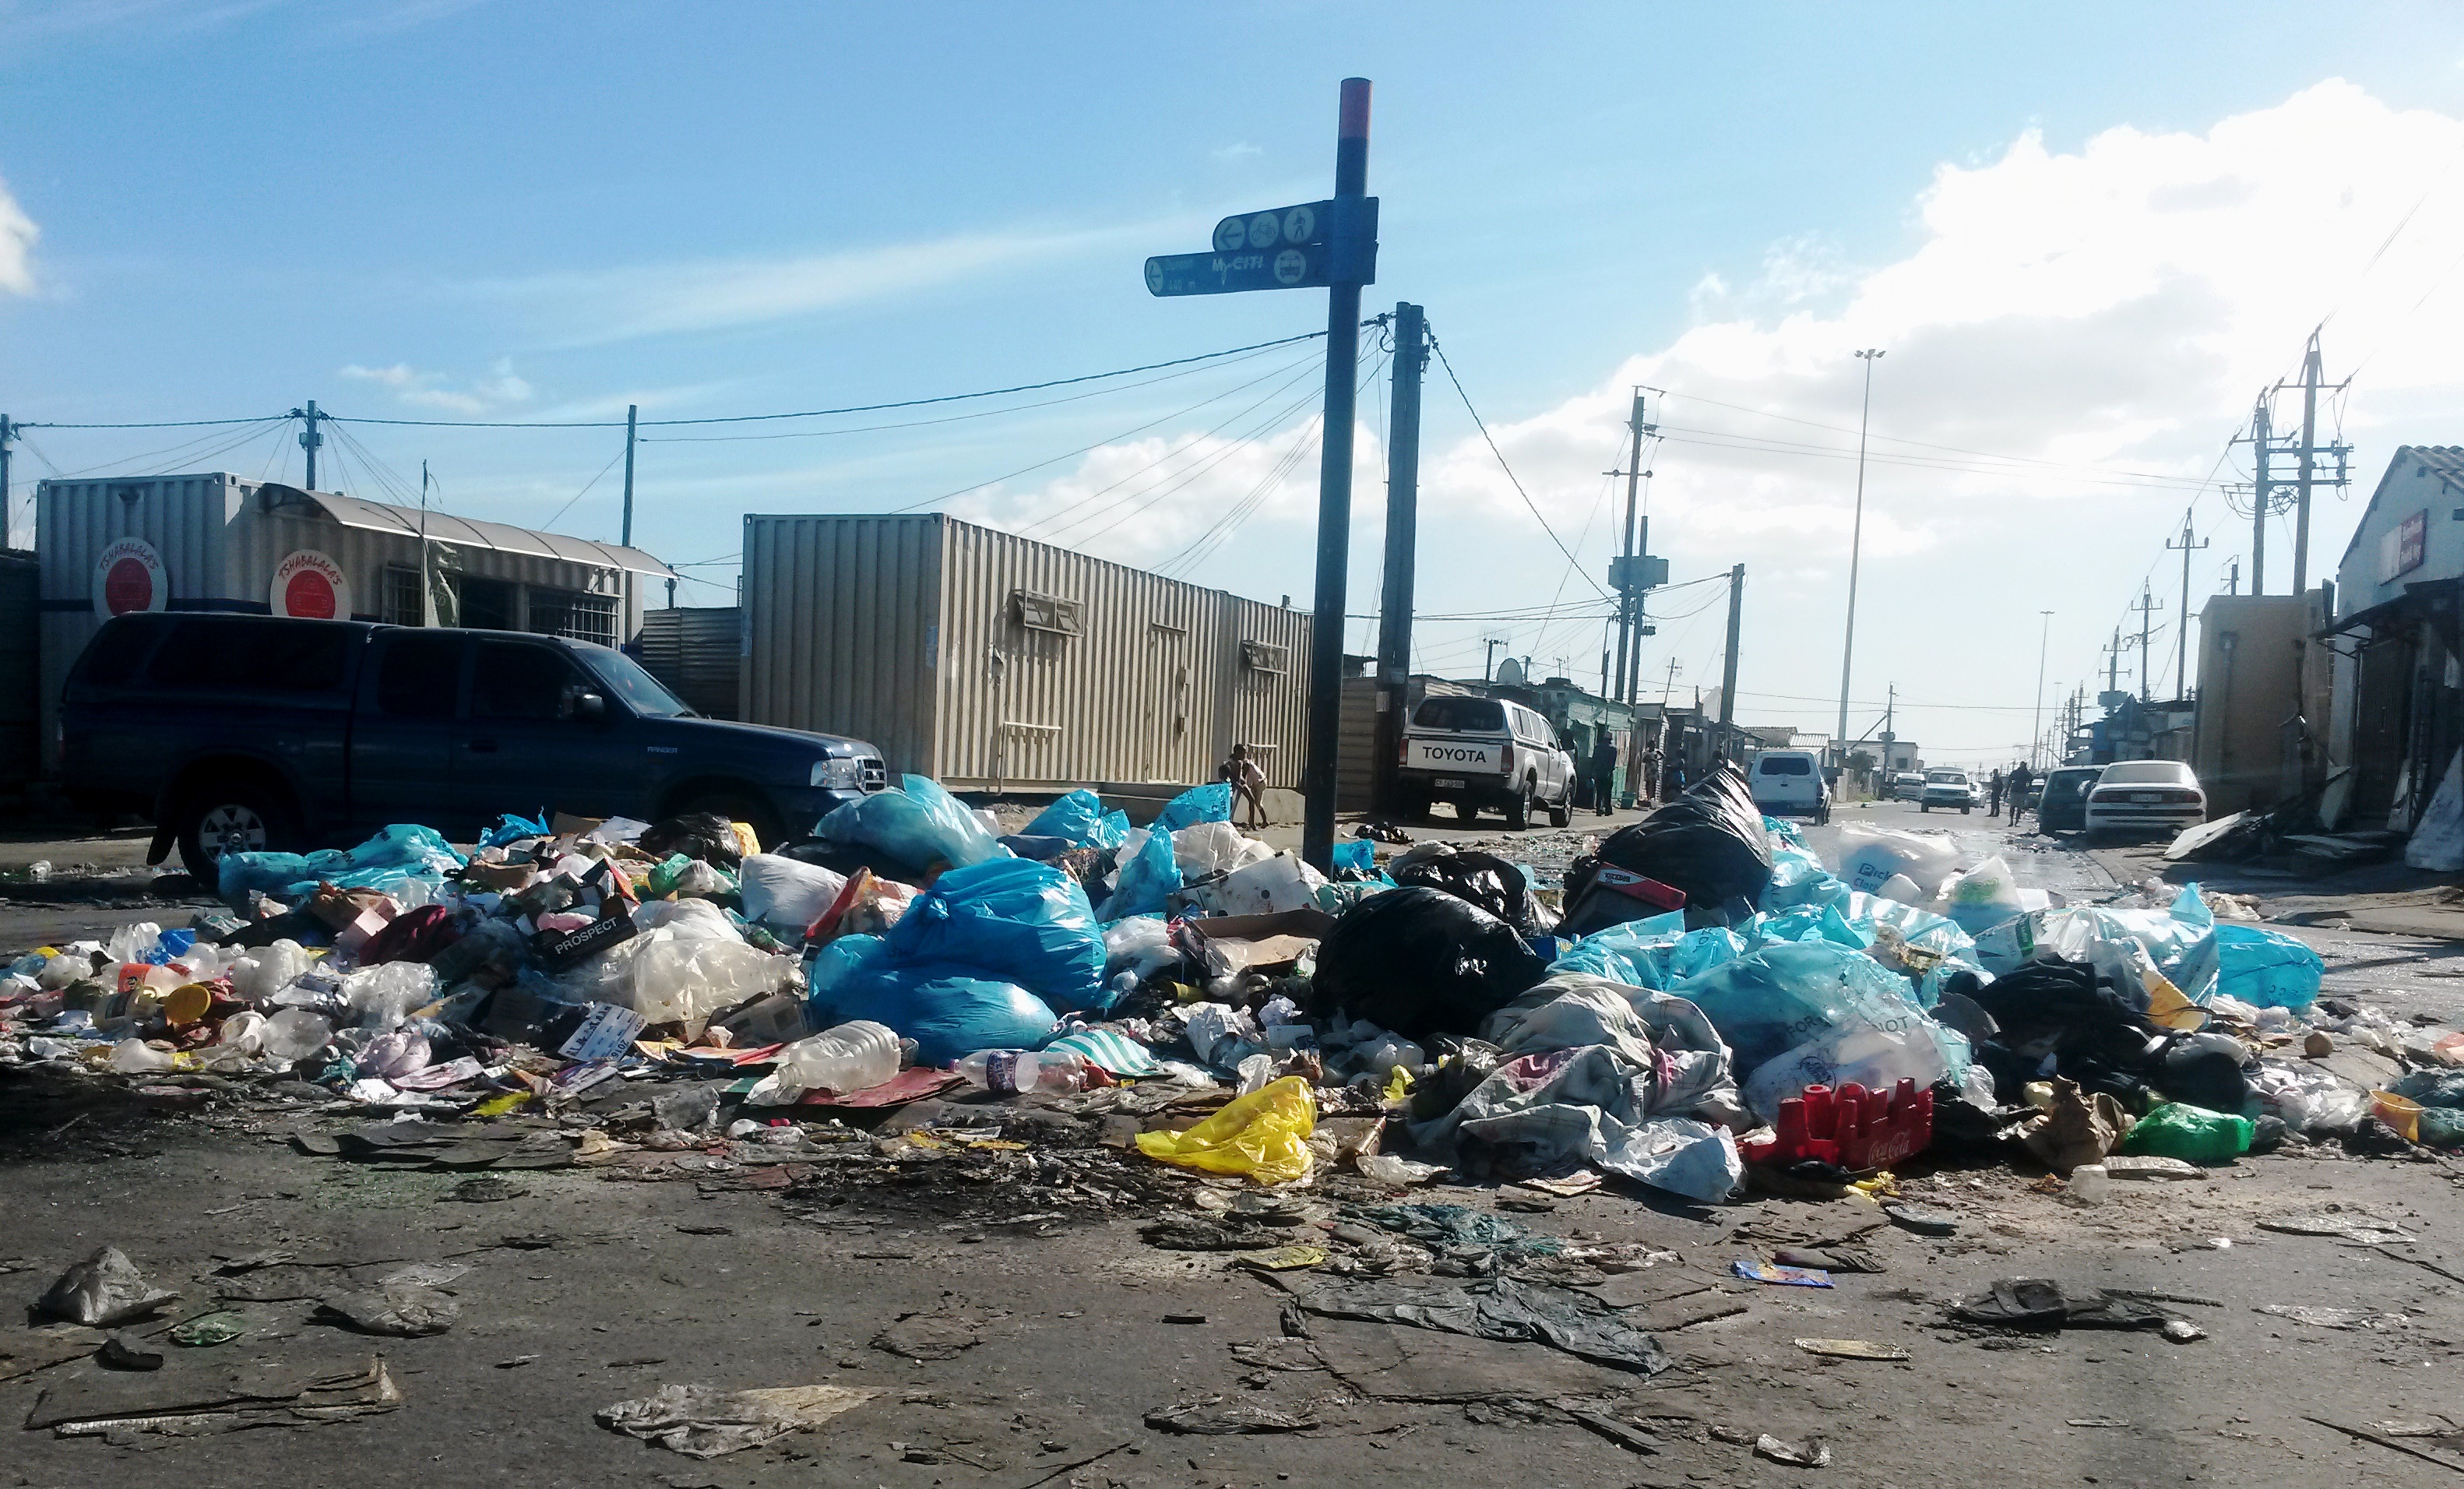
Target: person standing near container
[1248, 786]
[1604, 757]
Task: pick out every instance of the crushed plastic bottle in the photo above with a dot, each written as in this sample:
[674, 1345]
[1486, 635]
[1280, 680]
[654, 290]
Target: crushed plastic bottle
[136, 1057]
[851, 1057]
[295, 1034]
[1027, 1070]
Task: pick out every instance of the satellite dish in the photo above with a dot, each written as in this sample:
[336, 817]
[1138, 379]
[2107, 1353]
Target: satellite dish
[1511, 671]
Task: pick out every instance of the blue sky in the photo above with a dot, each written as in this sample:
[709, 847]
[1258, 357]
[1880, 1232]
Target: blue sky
[2068, 228]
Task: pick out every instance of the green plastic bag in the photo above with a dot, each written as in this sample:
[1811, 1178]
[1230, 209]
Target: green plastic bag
[2191, 1133]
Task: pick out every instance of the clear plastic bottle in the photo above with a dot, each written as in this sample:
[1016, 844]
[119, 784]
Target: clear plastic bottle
[851, 1057]
[295, 1034]
[1027, 1070]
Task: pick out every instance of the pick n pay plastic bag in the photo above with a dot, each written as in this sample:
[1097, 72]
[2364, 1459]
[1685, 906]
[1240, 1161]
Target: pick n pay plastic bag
[1262, 1136]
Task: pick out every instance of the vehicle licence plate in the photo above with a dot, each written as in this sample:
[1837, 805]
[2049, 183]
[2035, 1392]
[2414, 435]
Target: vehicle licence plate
[2145, 796]
[1450, 785]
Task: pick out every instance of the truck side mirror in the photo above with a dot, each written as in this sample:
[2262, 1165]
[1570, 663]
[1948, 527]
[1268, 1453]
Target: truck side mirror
[584, 705]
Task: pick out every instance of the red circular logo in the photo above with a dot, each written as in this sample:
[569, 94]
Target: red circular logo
[128, 587]
[309, 596]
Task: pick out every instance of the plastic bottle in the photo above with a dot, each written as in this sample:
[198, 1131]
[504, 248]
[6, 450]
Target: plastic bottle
[295, 1034]
[1026, 1070]
[850, 1057]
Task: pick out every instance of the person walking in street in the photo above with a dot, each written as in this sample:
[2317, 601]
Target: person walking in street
[2020, 777]
[1604, 758]
[1993, 793]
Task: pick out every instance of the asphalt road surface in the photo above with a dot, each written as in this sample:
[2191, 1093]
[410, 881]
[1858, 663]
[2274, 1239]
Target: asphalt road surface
[1014, 1326]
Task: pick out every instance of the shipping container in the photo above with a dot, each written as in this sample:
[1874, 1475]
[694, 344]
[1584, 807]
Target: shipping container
[698, 653]
[215, 541]
[991, 661]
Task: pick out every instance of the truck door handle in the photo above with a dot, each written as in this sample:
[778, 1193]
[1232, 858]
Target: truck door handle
[483, 747]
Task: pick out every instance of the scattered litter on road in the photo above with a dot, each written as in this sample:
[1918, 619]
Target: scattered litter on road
[707, 1422]
[1850, 1350]
[1813, 1453]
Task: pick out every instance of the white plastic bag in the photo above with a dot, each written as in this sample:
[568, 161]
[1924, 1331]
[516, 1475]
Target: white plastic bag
[1867, 857]
[677, 980]
[1265, 888]
[786, 894]
[1983, 897]
[383, 996]
[1211, 848]
[1872, 1056]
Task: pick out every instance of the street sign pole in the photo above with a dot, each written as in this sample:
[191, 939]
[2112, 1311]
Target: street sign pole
[1335, 495]
[1333, 244]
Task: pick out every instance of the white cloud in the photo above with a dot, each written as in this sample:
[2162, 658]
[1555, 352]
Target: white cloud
[618, 305]
[2098, 321]
[499, 389]
[1244, 151]
[17, 236]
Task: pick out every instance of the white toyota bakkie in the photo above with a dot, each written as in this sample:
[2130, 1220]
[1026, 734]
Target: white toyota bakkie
[1481, 752]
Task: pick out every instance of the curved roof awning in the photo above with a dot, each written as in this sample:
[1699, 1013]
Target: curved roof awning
[444, 527]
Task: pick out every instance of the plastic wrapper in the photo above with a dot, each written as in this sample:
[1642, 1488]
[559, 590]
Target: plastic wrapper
[1015, 920]
[1149, 874]
[1421, 961]
[1262, 1136]
[921, 825]
[1710, 843]
[784, 895]
[677, 979]
[383, 996]
[511, 828]
[1211, 803]
[397, 854]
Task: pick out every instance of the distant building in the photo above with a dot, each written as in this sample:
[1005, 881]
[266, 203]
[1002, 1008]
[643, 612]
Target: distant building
[2396, 715]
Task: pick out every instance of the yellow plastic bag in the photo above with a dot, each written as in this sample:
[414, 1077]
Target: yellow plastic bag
[1262, 1136]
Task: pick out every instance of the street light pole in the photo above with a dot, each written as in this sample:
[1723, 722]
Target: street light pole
[2044, 632]
[1855, 548]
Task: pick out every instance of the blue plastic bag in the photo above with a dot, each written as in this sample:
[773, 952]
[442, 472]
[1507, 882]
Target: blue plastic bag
[1150, 875]
[1074, 817]
[1798, 878]
[949, 1010]
[1014, 919]
[1111, 831]
[921, 826]
[1359, 855]
[1211, 803]
[398, 854]
[2266, 969]
[511, 828]
[1778, 1001]
[1635, 952]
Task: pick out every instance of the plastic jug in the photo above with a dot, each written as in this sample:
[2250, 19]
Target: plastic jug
[851, 1057]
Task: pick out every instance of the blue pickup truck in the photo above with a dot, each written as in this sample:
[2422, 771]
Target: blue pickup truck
[245, 732]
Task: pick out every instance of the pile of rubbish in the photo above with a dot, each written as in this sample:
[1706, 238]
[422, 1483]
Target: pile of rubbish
[1706, 1003]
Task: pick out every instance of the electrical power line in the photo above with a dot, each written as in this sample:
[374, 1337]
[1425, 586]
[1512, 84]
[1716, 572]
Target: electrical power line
[1516, 481]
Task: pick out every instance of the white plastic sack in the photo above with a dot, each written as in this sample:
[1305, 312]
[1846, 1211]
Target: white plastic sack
[1265, 888]
[1210, 848]
[1871, 1056]
[383, 996]
[784, 893]
[1868, 857]
[675, 980]
[1141, 944]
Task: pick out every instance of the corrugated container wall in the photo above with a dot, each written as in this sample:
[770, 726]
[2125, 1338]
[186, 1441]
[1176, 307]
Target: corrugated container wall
[988, 661]
[219, 546]
[695, 652]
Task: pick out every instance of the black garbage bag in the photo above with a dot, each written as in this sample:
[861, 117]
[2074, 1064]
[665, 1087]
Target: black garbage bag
[1485, 880]
[1709, 843]
[2096, 1036]
[703, 835]
[1419, 962]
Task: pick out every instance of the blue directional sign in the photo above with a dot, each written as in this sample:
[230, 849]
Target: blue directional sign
[1305, 246]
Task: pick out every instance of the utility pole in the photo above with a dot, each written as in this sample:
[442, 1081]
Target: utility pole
[2233, 584]
[1729, 671]
[2261, 489]
[1630, 645]
[1890, 730]
[310, 438]
[2113, 663]
[2181, 647]
[8, 511]
[426, 576]
[631, 411]
[1856, 549]
[1402, 543]
[2307, 457]
[2044, 633]
[1334, 492]
[2147, 605]
[1488, 657]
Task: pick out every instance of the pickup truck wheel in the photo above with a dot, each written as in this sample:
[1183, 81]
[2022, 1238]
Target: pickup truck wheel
[238, 817]
[1925, 806]
[1518, 810]
[736, 808]
[1964, 810]
[1562, 814]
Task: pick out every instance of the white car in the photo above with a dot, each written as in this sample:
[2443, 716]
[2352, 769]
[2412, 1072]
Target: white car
[1947, 788]
[2146, 797]
[1789, 784]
